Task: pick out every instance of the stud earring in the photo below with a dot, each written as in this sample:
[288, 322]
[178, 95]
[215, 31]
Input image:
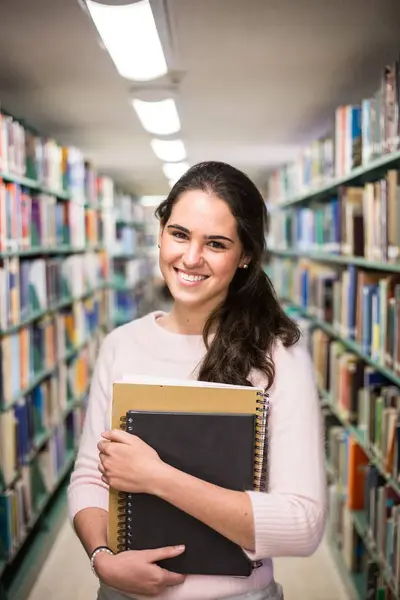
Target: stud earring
[246, 266]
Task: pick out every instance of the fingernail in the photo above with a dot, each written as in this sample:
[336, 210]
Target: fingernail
[180, 548]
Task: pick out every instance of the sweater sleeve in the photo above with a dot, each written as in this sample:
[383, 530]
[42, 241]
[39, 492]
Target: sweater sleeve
[289, 519]
[86, 488]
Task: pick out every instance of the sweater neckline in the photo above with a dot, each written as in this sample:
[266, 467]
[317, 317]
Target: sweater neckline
[160, 313]
[173, 346]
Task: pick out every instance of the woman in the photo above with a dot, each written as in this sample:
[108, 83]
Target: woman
[225, 325]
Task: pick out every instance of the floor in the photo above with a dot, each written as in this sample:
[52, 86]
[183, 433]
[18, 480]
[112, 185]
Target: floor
[312, 578]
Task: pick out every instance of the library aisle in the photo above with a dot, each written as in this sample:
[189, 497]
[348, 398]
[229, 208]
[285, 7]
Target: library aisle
[104, 104]
[302, 579]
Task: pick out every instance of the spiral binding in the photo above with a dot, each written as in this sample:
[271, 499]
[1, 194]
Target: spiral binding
[261, 442]
[124, 503]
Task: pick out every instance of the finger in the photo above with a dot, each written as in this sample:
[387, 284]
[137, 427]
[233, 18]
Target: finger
[105, 480]
[103, 446]
[101, 468]
[162, 553]
[171, 578]
[117, 435]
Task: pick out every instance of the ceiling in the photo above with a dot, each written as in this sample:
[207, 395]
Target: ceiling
[261, 78]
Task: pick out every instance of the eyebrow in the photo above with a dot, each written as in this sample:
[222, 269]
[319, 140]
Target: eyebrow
[207, 237]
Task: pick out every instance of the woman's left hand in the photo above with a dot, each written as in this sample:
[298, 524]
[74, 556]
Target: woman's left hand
[127, 463]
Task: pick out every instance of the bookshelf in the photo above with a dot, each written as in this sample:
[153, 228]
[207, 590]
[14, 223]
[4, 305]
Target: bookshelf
[73, 266]
[334, 260]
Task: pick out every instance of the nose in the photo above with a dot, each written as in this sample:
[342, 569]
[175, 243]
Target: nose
[193, 255]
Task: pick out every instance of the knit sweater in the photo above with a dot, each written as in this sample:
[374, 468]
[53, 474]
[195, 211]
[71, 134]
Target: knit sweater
[289, 519]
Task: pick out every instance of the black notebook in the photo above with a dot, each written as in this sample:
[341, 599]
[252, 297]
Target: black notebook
[218, 448]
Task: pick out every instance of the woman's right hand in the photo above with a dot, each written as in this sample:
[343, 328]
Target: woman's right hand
[134, 571]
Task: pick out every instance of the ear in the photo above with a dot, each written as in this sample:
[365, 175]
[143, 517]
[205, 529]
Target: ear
[244, 262]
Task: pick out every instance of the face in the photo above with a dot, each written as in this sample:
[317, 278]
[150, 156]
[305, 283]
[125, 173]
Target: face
[200, 250]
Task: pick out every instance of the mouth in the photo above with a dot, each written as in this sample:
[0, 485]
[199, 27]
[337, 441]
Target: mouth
[190, 278]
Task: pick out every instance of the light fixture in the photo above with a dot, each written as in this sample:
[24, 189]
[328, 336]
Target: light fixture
[168, 150]
[173, 171]
[159, 117]
[130, 36]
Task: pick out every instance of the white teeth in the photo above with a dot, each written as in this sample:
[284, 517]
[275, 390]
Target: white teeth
[187, 277]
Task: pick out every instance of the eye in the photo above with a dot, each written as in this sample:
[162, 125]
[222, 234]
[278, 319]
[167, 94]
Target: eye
[180, 235]
[217, 245]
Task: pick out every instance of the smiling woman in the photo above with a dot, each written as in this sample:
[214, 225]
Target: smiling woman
[200, 251]
[227, 326]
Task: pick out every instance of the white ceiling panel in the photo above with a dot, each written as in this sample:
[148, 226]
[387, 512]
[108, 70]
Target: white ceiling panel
[260, 78]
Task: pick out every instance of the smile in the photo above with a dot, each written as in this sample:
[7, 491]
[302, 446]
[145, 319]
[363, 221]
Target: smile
[187, 278]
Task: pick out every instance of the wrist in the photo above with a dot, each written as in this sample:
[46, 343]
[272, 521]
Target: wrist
[162, 479]
[102, 566]
[98, 559]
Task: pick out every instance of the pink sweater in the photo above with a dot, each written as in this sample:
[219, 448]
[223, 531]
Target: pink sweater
[290, 518]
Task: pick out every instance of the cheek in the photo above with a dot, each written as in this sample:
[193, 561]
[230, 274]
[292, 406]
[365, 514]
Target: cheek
[168, 251]
[224, 266]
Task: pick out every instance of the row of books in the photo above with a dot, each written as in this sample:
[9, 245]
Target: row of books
[37, 348]
[60, 169]
[359, 134]
[357, 221]
[71, 221]
[25, 154]
[131, 272]
[128, 211]
[39, 438]
[129, 294]
[25, 500]
[28, 286]
[30, 220]
[31, 420]
[361, 421]
[361, 305]
[128, 305]
[363, 396]
[127, 239]
[370, 553]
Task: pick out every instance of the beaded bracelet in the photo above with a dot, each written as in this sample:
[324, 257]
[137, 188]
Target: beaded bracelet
[97, 551]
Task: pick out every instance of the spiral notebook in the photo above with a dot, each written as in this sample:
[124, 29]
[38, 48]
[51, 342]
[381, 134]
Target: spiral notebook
[170, 415]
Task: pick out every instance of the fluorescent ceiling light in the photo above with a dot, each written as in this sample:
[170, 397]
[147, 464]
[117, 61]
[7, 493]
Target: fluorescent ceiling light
[130, 35]
[160, 117]
[169, 150]
[173, 171]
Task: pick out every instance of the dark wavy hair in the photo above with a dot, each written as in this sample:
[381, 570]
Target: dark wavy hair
[249, 321]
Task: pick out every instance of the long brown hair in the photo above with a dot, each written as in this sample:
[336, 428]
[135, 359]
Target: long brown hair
[251, 319]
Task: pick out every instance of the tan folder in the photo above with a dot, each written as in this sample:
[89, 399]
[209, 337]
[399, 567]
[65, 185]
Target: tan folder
[185, 396]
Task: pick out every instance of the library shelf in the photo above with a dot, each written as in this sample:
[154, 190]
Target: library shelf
[339, 259]
[39, 377]
[349, 344]
[32, 552]
[44, 436]
[34, 185]
[369, 450]
[359, 518]
[358, 176]
[39, 314]
[86, 215]
[51, 251]
[355, 582]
